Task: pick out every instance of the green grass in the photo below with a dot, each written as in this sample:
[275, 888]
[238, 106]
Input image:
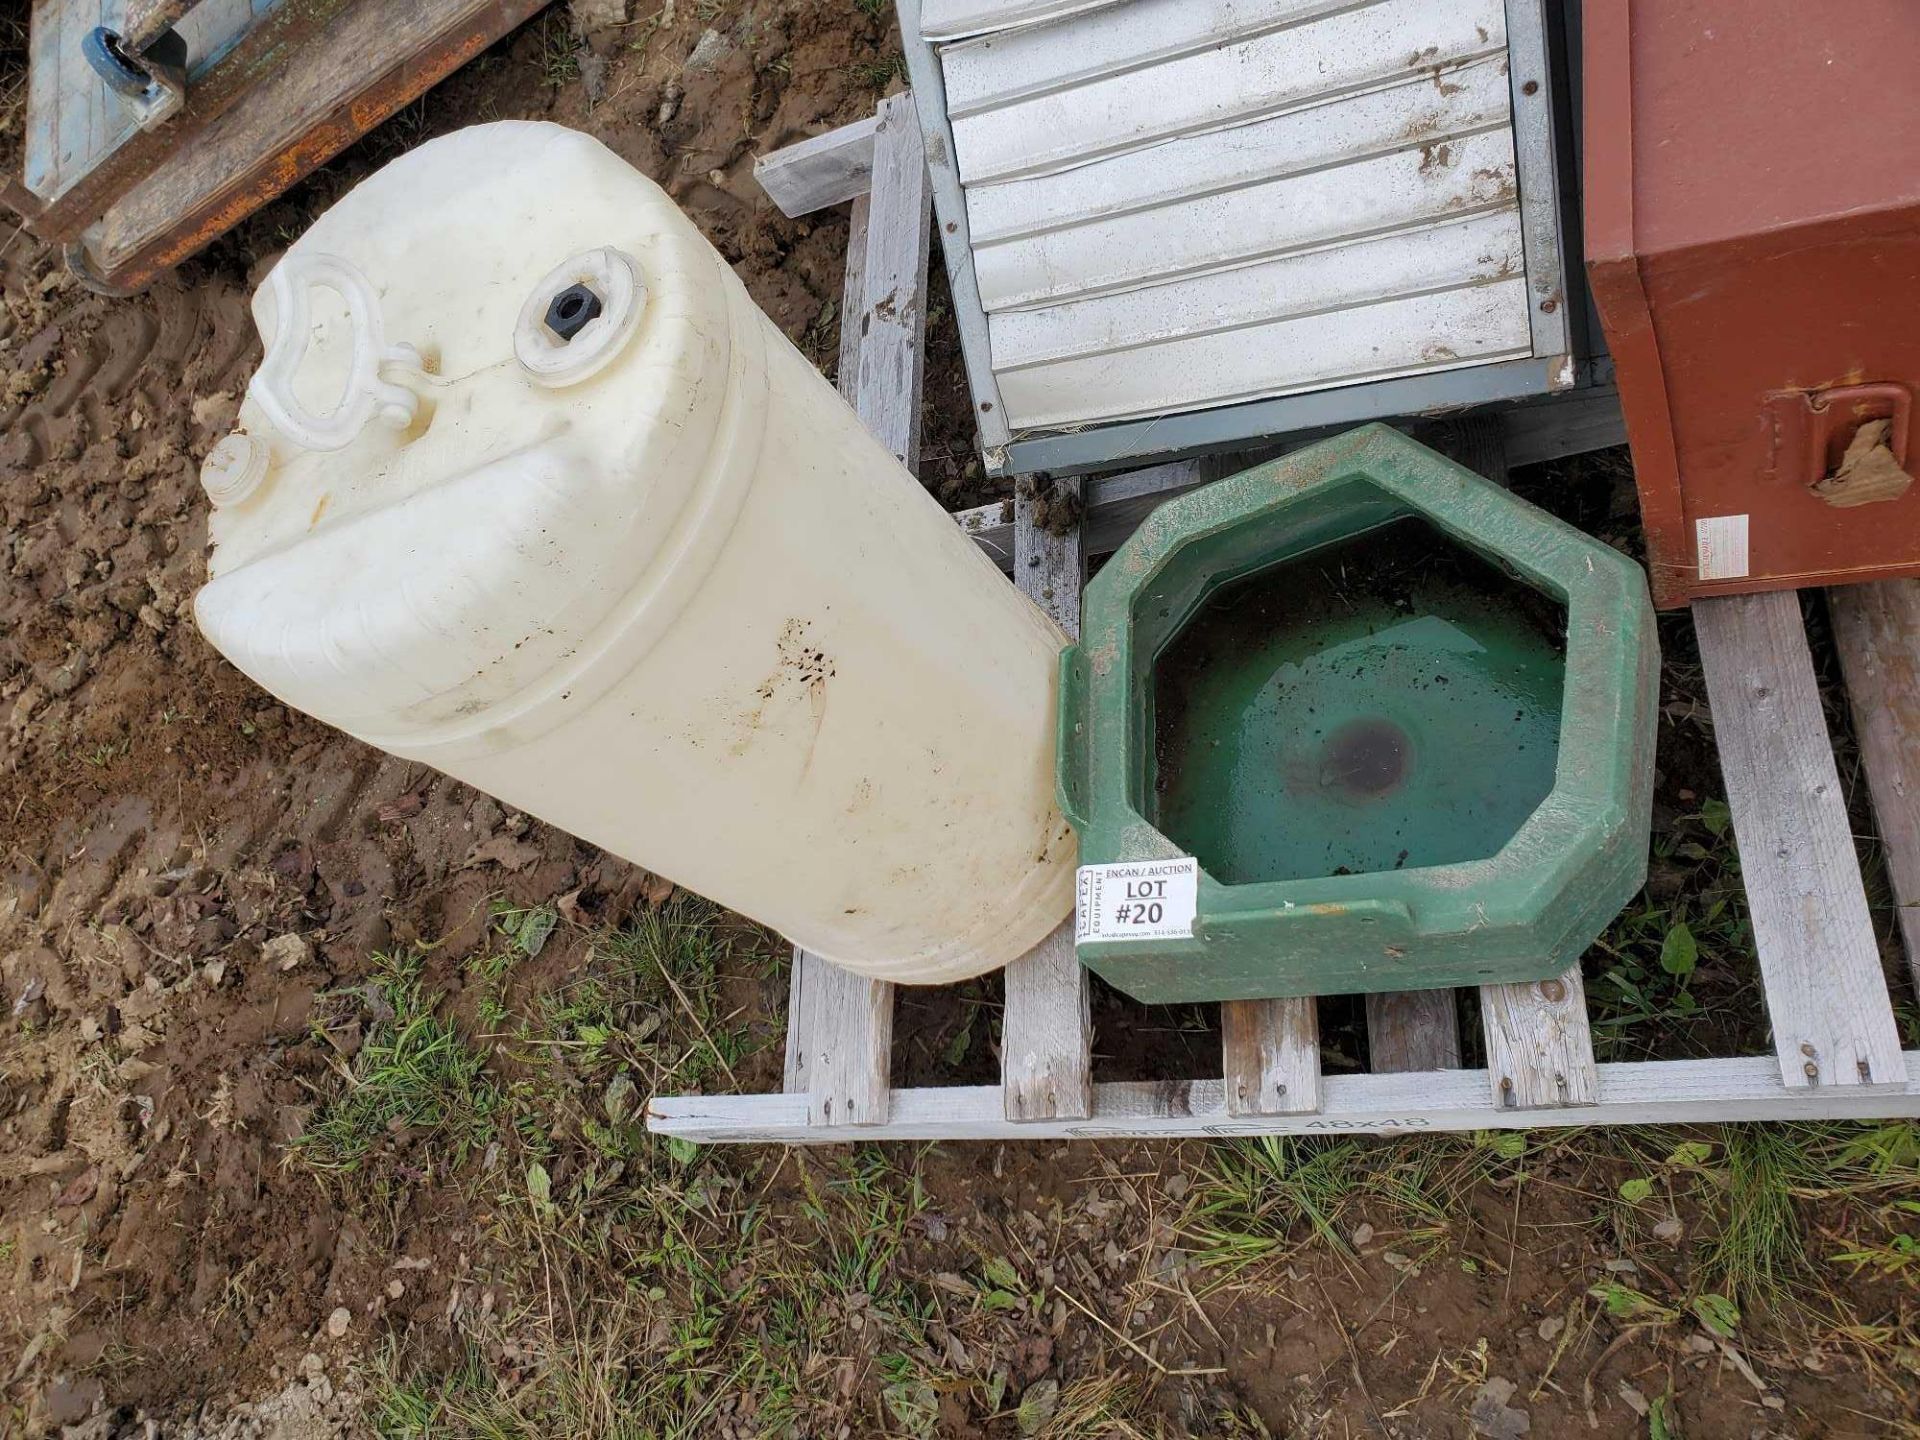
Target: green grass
[879, 74]
[413, 1072]
[558, 57]
[654, 1290]
[1759, 1254]
[1643, 992]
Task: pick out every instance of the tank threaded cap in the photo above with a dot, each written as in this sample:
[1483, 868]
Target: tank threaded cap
[233, 469]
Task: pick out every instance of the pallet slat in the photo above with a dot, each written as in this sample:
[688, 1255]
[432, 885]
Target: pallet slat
[893, 316]
[1876, 628]
[1539, 1047]
[825, 170]
[1412, 1030]
[840, 1025]
[1645, 1092]
[1826, 996]
[1046, 1038]
[839, 1043]
[1271, 1056]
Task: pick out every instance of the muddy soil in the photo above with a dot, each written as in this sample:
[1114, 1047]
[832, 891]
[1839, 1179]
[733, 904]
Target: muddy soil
[163, 823]
[185, 865]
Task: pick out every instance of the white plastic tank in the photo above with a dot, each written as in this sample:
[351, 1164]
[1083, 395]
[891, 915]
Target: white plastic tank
[642, 574]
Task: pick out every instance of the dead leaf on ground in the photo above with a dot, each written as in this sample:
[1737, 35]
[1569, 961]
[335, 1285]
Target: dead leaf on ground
[505, 851]
[1493, 1417]
[405, 808]
[80, 1189]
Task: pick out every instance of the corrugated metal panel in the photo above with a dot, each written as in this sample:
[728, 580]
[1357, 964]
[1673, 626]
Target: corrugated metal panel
[953, 19]
[1226, 84]
[1474, 325]
[1322, 207]
[1183, 203]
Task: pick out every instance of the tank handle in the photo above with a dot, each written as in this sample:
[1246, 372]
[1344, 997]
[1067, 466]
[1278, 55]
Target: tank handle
[292, 283]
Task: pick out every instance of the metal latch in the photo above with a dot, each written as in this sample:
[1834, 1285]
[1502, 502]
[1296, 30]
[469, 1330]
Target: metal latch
[1811, 429]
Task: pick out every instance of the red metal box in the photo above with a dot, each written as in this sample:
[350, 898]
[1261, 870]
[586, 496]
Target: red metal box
[1752, 202]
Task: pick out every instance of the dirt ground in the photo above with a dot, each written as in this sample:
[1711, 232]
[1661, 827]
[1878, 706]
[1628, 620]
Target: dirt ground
[217, 915]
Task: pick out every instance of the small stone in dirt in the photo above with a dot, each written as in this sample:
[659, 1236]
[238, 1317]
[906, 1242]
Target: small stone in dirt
[1493, 1417]
[1669, 1230]
[69, 1401]
[1176, 1186]
[338, 1321]
[65, 677]
[711, 48]
[1362, 1233]
[312, 1366]
[395, 1289]
[287, 952]
[592, 16]
[1698, 1345]
[1635, 1401]
[1622, 1267]
[35, 988]
[1550, 1327]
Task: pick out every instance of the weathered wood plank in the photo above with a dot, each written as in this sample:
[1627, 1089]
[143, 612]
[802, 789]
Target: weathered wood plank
[1876, 628]
[1826, 994]
[1270, 1051]
[1046, 1040]
[1647, 1092]
[45, 95]
[824, 170]
[1412, 1030]
[892, 320]
[1539, 1046]
[840, 1025]
[367, 62]
[839, 1042]
[853, 295]
[1046, 1037]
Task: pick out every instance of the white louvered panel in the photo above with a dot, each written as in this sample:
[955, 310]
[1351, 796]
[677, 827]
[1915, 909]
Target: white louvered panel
[1403, 117]
[1321, 208]
[954, 19]
[1267, 74]
[1475, 325]
[1479, 250]
[996, 69]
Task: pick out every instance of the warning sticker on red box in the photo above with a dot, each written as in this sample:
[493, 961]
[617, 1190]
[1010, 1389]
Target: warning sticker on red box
[1720, 542]
[1136, 900]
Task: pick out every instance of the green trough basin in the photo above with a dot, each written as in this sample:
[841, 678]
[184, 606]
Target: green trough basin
[1400, 721]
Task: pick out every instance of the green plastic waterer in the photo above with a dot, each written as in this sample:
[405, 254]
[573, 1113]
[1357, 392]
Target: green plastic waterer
[1357, 719]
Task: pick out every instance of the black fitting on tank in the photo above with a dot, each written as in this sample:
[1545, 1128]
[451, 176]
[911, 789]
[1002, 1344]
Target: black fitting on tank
[570, 310]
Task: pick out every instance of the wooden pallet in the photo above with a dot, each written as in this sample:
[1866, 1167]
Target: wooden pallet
[1837, 1049]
